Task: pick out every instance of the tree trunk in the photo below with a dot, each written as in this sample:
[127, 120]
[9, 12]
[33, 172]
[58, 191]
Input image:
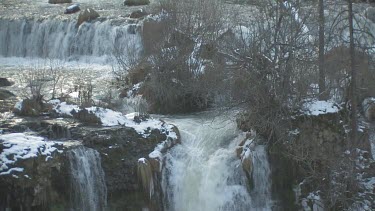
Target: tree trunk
[353, 97]
[323, 94]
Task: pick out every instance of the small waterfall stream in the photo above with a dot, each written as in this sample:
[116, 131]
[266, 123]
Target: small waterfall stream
[89, 191]
[261, 194]
[203, 173]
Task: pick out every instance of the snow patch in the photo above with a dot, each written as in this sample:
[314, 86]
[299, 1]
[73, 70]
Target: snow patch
[12, 169]
[318, 107]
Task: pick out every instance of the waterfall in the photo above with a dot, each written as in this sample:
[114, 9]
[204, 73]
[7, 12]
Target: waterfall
[89, 191]
[203, 172]
[261, 193]
[58, 38]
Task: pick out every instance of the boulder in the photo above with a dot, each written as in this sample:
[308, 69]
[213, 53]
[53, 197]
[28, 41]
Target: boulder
[136, 2]
[368, 107]
[59, 1]
[5, 82]
[87, 15]
[72, 9]
[138, 13]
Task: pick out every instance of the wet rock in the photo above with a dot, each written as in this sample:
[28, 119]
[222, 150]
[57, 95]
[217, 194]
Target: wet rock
[138, 13]
[59, 1]
[5, 82]
[247, 164]
[136, 2]
[87, 15]
[239, 150]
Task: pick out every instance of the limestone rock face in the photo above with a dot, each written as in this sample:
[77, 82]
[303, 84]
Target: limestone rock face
[136, 2]
[87, 15]
[42, 185]
[120, 149]
[59, 1]
[127, 174]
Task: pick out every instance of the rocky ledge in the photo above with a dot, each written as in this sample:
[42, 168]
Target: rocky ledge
[34, 156]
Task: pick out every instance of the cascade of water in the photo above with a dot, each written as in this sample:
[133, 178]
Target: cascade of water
[261, 194]
[89, 191]
[203, 173]
[60, 39]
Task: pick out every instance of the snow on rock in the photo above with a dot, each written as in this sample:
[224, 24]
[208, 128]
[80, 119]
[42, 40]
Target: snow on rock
[171, 139]
[63, 108]
[21, 146]
[109, 118]
[156, 156]
[318, 107]
[142, 160]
